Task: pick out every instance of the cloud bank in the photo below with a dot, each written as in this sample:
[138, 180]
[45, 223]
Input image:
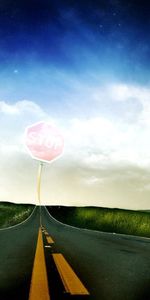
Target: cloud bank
[106, 161]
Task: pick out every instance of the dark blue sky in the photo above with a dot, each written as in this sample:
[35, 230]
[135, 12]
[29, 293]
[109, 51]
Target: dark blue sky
[73, 34]
[97, 41]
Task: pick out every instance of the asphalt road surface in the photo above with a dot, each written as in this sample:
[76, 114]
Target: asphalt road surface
[111, 266]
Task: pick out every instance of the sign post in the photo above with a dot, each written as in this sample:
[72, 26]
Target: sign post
[44, 143]
[39, 182]
[39, 187]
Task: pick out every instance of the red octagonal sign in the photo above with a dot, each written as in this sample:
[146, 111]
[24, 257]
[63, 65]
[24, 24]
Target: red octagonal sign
[44, 141]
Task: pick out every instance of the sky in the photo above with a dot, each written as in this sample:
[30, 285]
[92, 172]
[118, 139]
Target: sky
[83, 66]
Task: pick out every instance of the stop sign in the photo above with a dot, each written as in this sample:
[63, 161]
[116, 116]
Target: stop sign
[44, 141]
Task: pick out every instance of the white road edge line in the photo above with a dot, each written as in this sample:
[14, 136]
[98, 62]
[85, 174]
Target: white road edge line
[26, 220]
[96, 231]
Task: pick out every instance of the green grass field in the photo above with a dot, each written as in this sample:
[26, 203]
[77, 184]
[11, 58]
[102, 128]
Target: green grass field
[95, 218]
[105, 219]
[12, 214]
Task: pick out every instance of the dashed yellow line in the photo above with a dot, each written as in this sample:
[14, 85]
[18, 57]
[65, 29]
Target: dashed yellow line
[49, 240]
[46, 233]
[39, 283]
[71, 282]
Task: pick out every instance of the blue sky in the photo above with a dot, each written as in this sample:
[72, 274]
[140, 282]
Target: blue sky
[85, 67]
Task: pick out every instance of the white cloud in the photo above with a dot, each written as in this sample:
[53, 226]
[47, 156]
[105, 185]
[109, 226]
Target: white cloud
[105, 139]
[125, 92]
[121, 92]
[8, 108]
[24, 113]
[96, 141]
[92, 180]
[101, 144]
[9, 148]
[146, 187]
[20, 107]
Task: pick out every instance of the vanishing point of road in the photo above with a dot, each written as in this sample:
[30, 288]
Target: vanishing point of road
[100, 266]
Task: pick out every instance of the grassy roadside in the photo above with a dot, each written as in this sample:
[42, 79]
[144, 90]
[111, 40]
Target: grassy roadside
[12, 214]
[104, 219]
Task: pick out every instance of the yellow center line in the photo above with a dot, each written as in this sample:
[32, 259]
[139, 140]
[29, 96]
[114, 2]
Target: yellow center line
[46, 233]
[72, 283]
[39, 283]
[49, 240]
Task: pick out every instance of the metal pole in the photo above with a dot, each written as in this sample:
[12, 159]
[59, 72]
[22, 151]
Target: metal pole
[39, 187]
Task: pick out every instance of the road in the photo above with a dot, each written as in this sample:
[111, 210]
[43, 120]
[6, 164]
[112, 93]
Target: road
[111, 266]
